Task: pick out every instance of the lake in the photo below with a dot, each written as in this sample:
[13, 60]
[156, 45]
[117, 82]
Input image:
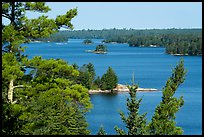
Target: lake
[151, 67]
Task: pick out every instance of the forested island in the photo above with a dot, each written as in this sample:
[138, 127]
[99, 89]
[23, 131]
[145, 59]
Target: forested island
[100, 49]
[87, 41]
[176, 41]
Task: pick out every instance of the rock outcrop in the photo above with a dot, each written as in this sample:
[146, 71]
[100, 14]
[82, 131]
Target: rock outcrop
[122, 88]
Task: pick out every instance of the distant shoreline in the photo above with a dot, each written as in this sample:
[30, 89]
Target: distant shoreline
[185, 55]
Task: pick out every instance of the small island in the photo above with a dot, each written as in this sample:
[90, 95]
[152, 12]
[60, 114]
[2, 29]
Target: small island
[100, 49]
[87, 41]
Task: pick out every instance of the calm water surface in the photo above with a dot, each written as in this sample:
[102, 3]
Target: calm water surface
[151, 66]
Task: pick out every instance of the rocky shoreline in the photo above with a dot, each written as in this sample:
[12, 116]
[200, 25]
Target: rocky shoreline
[121, 89]
[96, 52]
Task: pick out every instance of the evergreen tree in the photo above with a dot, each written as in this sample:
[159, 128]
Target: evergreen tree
[109, 80]
[101, 48]
[75, 66]
[57, 114]
[101, 131]
[88, 41]
[97, 82]
[163, 120]
[91, 71]
[87, 75]
[135, 123]
[47, 100]
[21, 29]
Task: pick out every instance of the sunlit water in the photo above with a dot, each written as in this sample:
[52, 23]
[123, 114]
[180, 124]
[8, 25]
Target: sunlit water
[151, 67]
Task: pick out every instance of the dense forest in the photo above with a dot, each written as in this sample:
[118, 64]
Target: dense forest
[176, 41]
[52, 98]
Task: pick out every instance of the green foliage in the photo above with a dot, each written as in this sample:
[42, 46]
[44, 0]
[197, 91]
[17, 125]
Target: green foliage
[109, 80]
[21, 29]
[87, 75]
[56, 37]
[176, 41]
[135, 123]
[52, 104]
[40, 27]
[48, 101]
[52, 68]
[75, 66]
[101, 131]
[11, 68]
[163, 120]
[101, 48]
[57, 74]
[37, 6]
[57, 114]
[185, 45]
[91, 70]
[97, 82]
[87, 41]
[123, 34]
[65, 20]
[10, 118]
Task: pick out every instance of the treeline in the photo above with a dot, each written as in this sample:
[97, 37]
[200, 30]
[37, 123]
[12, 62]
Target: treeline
[176, 41]
[56, 37]
[183, 44]
[110, 33]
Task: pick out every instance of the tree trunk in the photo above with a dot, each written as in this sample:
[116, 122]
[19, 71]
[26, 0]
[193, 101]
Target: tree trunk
[10, 92]
[13, 13]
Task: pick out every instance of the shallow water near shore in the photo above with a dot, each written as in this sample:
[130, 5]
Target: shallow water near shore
[151, 67]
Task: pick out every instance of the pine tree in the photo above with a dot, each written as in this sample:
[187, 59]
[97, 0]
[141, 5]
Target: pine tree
[22, 30]
[163, 120]
[109, 80]
[101, 131]
[87, 75]
[135, 123]
[49, 102]
[97, 82]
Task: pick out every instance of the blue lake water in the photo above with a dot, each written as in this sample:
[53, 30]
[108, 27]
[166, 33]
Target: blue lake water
[151, 67]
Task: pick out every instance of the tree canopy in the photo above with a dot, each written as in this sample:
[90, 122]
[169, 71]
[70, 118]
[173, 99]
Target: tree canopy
[39, 97]
[109, 80]
[21, 29]
[87, 41]
[101, 49]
